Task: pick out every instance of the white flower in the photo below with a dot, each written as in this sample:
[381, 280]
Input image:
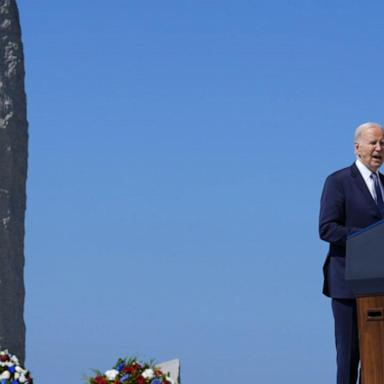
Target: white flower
[16, 375]
[148, 373]
[20, 370]
[22, 379]
[14, 359]
[111, 374]
[5, 375]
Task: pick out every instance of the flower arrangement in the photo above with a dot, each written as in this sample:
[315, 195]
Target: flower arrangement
[11, 371]
[131, 371]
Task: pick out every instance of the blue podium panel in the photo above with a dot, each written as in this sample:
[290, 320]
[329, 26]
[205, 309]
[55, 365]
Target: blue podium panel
[364, 270]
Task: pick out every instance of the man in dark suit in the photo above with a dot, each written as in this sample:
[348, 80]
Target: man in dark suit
[352, 199]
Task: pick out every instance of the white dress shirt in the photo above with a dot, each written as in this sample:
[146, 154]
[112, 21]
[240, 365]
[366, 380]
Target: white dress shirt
[366, 173]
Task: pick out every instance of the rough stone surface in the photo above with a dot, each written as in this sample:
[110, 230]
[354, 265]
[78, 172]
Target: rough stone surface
[13, 173]
[173, 368]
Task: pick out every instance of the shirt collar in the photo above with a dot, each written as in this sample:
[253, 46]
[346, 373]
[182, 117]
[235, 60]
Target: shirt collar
[365, 172]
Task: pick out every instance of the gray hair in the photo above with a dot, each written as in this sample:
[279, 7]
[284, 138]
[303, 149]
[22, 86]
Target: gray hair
[361, 128]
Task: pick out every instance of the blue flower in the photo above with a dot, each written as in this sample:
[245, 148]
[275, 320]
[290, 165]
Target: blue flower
[15, 382]
[4, 381]
[120, 366]
[156, 381]
[124, 378]
[12, 369]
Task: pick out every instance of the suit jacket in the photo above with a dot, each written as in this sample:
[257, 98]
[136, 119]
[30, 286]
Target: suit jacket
[346, 206]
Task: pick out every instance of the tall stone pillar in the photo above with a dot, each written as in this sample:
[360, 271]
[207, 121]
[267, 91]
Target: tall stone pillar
[13, 173]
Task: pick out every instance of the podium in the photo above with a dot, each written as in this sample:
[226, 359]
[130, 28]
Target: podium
[364, 273]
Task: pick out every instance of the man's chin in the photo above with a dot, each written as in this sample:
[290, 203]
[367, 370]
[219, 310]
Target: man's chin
[375, 165]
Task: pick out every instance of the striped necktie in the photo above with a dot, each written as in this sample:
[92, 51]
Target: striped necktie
[379, 195]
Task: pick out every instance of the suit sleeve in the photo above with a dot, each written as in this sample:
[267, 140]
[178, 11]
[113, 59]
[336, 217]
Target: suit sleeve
[332, 226]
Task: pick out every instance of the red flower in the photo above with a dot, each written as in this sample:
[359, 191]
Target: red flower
[4, 357]
[140, 380]
[128, 369]
[133, 368]
[100, 380]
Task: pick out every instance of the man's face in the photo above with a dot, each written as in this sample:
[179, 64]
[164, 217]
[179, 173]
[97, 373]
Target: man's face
[370, 148]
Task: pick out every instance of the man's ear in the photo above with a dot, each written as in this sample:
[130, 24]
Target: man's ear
[357, 145]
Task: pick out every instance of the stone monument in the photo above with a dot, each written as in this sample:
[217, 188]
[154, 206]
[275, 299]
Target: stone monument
[13, 173]
[173, 368]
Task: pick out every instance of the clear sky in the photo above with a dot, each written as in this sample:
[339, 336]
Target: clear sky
[177, 155]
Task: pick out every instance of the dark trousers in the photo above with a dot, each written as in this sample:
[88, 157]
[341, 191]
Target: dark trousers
[347, 341]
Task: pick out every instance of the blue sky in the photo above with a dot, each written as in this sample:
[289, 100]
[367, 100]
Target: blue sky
[177, 155]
